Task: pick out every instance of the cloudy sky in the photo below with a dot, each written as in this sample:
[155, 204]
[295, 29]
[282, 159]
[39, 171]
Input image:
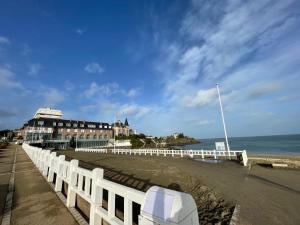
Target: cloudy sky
[155, 62]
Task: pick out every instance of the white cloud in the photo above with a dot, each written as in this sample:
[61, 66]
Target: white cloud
[220, 43]
[51, 96]
[286, 98]
[34, 68]
[109, 89]
[7, 79]
[4, 40]
[94, 67]
[132, 92]
[134, 109]
[203, 97]
[261, 90]
[26, 49]
[80, 31]
[69, 86]
[105, 89]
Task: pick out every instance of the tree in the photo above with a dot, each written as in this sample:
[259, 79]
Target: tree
[180, 135]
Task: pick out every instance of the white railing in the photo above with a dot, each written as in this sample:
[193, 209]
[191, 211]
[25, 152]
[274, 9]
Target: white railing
[158, 205]
[100, 150]
[182, 153]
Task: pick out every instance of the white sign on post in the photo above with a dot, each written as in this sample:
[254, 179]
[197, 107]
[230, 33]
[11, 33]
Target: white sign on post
[220, 146]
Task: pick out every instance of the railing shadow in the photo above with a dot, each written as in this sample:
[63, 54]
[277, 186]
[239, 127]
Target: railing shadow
[128, 180]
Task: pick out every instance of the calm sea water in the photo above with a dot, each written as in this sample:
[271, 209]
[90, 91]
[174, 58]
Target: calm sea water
[277, 144]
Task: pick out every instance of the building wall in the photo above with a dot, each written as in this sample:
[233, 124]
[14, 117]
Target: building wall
[121, 130]
[67, 133]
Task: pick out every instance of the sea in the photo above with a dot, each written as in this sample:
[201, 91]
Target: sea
[262, 145]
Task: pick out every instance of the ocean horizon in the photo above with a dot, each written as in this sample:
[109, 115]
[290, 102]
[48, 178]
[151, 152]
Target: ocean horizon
[262, 145]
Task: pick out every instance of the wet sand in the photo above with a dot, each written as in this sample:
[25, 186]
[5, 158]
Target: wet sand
[265, 195]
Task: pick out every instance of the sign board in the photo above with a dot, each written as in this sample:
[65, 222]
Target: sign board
[220, 146]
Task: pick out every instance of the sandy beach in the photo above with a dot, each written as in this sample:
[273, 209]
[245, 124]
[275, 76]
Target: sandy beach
[265, 195]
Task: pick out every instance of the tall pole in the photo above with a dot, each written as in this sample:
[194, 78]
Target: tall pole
[223, 120]
[77, 133]
[114, 133]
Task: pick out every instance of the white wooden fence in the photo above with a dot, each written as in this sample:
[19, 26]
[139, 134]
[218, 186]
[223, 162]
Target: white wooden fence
[158, 205]
[182, 153]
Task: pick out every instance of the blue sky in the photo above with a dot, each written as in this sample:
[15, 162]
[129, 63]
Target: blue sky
[155, 62]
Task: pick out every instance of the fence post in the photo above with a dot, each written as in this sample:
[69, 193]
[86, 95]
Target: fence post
[72, 183]
[111, 204]
[182, 209]
[215, 154]
[245, 157]
[181, 153]
[96, 196]
[51, 169]
[202, 154]
[59, 175]
[127, 211]
[46, 162]
[191, 153]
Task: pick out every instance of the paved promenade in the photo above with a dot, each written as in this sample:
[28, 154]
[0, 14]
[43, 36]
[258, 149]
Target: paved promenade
[34, 202]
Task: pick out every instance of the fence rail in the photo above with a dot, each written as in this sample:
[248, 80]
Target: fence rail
[156, 206]
[182, 153]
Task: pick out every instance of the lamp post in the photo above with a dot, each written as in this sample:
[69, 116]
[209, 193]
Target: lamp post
[223, 120]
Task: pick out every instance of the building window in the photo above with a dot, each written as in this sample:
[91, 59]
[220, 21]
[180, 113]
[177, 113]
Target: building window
[82, 130]
[88, 136]
[91, 126]
[95, 136]
[100, 126]
[54, 124]
[82, 125]
[75, 124]
[81, 136]
[41, 123]
[68, 124]
[60, 124]
[68, 130]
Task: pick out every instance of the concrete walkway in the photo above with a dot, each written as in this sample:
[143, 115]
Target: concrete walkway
[34, 202]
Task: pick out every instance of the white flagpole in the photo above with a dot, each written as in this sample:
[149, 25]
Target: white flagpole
[77, 133]
[221, 107]
[114, 133]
